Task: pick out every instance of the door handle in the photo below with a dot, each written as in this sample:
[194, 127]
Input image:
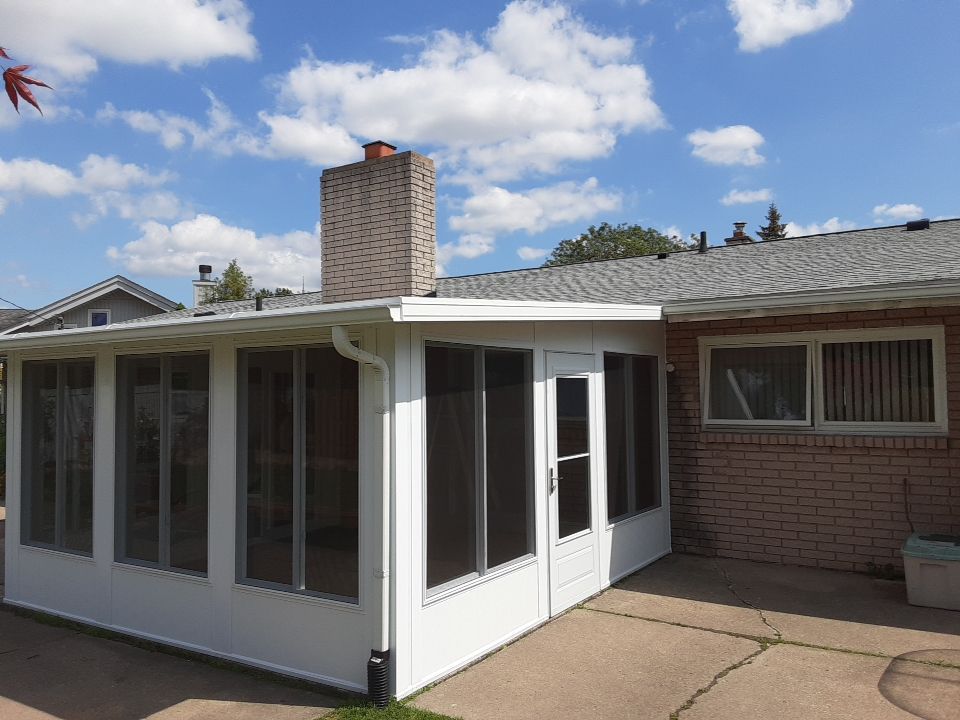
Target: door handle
[554, 479]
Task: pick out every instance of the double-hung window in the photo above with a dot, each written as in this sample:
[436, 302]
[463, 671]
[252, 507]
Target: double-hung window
[299, 441]
[479, 452]
[57, 454]
[884, 380]
[163, 413]
[632, 409]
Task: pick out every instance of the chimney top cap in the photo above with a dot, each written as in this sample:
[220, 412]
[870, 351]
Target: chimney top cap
[378, 149]
[206, 269]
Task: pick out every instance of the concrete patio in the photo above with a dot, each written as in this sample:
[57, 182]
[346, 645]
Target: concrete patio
[688, 637]
[704, 639]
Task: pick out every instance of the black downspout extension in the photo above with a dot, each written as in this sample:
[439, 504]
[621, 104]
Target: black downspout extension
[378, 678]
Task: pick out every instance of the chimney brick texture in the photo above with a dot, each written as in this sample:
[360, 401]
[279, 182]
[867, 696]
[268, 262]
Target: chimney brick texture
[378, 228]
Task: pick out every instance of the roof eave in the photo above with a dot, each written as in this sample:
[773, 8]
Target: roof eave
[805, 301]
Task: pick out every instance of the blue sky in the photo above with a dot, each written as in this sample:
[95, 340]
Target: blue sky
[195, 131]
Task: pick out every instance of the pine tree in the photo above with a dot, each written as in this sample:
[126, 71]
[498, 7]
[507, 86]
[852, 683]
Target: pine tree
[775, 229]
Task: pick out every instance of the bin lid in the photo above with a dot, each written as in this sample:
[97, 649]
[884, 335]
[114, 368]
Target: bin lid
[933, 546]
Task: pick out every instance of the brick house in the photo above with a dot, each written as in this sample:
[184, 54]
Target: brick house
[374, 486]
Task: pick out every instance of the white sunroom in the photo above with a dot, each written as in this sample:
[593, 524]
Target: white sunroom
[217, 482]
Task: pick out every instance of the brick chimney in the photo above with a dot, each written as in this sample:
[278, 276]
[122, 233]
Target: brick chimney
[378, 226]
[739, 236]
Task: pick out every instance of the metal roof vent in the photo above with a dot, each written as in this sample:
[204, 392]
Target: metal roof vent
[662, 256]
[919, 224]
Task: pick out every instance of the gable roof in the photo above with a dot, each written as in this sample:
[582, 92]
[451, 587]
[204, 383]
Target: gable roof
[117, 282]
[877, 258]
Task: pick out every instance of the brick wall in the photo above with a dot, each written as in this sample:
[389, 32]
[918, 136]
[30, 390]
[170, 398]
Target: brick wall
[831, 501]
[378, 228]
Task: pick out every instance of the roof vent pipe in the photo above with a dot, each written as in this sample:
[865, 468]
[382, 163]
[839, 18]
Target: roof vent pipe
[919, 224]
[258, 303]
[703, 241]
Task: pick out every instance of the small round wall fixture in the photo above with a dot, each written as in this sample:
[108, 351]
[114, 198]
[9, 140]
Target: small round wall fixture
[670, 367]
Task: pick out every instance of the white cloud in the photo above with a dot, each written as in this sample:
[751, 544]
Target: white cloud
[71, 37]
[176, 250]
[531, 253]
[900, 211]
[746, 197]
[469, 246]
[731, 145]
[763, 24]
[537, 90]
[110, 185]
[495, 210]
[829, 226]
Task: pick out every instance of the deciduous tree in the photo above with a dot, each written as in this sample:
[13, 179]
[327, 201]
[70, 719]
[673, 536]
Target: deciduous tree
[609, 242]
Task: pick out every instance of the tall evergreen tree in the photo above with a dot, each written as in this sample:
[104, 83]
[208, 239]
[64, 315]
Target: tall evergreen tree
[774, 229]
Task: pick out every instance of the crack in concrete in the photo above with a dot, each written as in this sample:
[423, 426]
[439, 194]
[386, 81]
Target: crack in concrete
[779, 641]
[691, 701]
[733, 591]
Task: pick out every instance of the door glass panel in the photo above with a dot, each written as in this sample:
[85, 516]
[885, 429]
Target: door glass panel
[40, 449]
[572, 436]
[78, 456]
[573, 495]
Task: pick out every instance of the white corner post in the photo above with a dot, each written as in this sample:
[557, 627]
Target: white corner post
[378, 667]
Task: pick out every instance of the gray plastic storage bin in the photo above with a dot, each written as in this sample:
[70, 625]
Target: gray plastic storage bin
[932, 566]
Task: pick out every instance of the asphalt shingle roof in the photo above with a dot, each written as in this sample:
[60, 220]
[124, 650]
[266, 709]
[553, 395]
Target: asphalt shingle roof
[835, 261]
[815, 263]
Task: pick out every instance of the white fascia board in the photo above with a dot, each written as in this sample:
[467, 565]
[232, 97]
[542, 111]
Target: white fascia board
[429, 309]
[399, 310]
[932, 290]
[296, 318]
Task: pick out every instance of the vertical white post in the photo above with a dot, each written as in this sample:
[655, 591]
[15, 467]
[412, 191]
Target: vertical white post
[12, 529]
[222, 542]
[104, 478]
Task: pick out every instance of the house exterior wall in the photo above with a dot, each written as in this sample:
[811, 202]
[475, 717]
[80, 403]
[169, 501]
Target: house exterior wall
[122, 306]
[827, 500]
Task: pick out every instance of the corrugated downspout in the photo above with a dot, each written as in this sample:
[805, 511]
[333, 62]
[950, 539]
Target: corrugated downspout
[378, 666]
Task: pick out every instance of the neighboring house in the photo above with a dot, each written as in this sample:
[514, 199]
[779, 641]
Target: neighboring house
[113, 300]
[375, 486]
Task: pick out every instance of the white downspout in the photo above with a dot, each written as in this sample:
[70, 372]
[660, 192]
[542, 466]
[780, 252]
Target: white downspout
[380, 657]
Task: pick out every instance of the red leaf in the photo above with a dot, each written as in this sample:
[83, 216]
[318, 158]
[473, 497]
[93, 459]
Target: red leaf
[11, 90]
[3, 53]
[16, 83]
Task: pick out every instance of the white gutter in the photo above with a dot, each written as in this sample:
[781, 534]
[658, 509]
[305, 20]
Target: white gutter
[341, 342]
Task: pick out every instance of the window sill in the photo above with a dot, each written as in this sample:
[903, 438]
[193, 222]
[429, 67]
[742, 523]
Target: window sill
[937, 440]
[299, 597]
[477, 581]
[166, 574]
[63, 553]
[626, 519]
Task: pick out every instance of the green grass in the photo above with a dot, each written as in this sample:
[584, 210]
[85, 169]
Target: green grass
[396, 711]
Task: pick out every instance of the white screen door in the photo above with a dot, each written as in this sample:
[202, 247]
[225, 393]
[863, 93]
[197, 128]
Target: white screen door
[574, 556]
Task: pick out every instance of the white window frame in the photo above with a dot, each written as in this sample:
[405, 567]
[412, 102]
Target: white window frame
[814, 341]
[99, 310]
[484, 572]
